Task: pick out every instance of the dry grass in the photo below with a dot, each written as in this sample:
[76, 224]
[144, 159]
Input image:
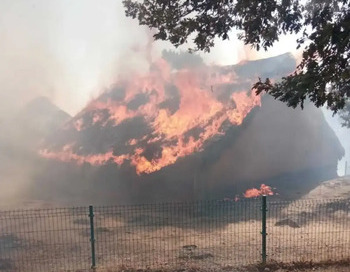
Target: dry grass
[158, 241]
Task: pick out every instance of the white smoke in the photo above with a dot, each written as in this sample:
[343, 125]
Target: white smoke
[343, 135]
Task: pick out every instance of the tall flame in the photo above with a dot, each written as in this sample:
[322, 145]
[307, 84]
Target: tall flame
[183, 110]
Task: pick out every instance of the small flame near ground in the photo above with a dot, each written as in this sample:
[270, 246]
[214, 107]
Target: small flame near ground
[264, 190]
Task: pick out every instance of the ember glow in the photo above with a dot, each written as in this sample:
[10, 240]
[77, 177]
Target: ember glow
[264, 190]
[181, 111]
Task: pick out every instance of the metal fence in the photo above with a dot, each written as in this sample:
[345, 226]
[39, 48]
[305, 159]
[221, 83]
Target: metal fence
[203, 234]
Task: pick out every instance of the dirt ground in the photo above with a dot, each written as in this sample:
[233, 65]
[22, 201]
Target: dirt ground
[194, 269]
[334, 269]
[329, 269]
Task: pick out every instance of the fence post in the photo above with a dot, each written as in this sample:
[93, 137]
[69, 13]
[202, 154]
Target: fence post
[92, 237]
[263, 228]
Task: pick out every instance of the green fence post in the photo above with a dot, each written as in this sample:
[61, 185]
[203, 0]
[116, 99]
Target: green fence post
[263, 228]
[92, 237]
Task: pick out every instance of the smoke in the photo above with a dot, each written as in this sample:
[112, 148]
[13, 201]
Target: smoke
[27, 67]
[343, 135]
[63, 50]
[66, 51]
[71, 52]
[20, 139]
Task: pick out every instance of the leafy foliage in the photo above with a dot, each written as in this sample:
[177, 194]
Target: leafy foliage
[323, 26]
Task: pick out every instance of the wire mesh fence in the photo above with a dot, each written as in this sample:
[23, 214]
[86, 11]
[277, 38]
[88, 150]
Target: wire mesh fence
[309, 230]
[158, 235]
[43, 240]
[205, 234]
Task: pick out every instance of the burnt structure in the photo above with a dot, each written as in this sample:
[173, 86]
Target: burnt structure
[290, 149]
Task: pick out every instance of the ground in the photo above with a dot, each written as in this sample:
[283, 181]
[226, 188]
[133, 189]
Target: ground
[205, 236]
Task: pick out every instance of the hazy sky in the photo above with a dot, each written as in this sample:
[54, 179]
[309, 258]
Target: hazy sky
[72, 50]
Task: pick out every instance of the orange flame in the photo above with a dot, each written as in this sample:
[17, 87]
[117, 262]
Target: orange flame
[199, 107]
[264, 190]
[67, 155]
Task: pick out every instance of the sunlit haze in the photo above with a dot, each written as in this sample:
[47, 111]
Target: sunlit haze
[71, 51]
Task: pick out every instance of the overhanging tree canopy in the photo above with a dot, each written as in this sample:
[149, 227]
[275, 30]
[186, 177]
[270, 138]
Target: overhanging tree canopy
[323, 28]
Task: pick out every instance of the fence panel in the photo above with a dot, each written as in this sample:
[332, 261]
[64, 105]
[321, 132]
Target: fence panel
[201, 234]
[309, 230]
[44, 240]
[204, 234]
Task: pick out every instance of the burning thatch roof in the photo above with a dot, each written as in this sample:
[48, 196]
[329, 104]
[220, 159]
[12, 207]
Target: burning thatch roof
[184, 133]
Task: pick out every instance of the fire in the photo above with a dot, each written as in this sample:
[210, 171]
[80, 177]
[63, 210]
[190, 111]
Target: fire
[264, 190]
[132, 142]
[78, 124]
[67, 155]
[182, 111]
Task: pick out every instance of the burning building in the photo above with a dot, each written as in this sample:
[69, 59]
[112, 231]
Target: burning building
[188, 131]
